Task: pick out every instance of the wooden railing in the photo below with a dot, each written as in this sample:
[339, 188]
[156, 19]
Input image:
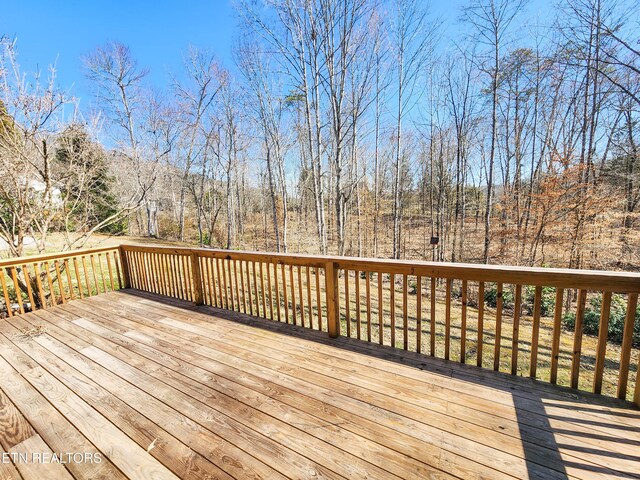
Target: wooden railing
[502, 318]
[437, 309]
[39, 282]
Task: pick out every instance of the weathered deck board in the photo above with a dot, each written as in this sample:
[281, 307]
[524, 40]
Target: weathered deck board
[163, 388]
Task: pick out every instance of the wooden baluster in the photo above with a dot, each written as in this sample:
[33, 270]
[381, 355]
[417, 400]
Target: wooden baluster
[601, 351]
[380, 311]
[212, 289]
[146, 268]
[367, 287]
[139, 272]
[535, 334]
[126, 269]
[152, 272]
[432, 339]
[447, 319]
[333, 307]
[177, 278]
[41, 294]
[243, 288]
[277, 287]
[18, 290]
[227, 268]
[392, 306]
[59, 281]
[219, 282]
[198, 297]
[144, 284]
[175, 272]
[142, 271]
[202, 267]
[405, 315]
[255, 284]
[480, 322]
[293, 295]
[111, 282]
[104, 280]
[164, 272]
[357, 280]
[419, 314]
[627, 341]
[5, 292]
[555, 339]
[498, 338]
[235, 276]
[161, 280]
[162, 285]
[225, 285]
[516, 330]
[300, 294]
[284, 294]
[270, 289]
[77, 270]
[577, 338]
[463, 324]
[247, 268]
[184, 275]
[69, 281]
[318, 299]
[347, 303]
[130, 262]
[95, 276]
[27, 281]
[52, 292]
[118, 272]
[133, 270]
[213, 282]
[309, 307]
[264, 295]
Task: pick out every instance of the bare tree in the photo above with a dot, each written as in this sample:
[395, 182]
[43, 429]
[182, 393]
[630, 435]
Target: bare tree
[491, 20]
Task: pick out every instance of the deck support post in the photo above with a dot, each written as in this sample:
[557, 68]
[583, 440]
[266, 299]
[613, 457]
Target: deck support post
[331, 292]
[124, 262]
[198, 297]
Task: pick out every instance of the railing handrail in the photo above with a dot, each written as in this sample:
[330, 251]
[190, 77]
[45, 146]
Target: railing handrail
[612, 281]
[17, 261]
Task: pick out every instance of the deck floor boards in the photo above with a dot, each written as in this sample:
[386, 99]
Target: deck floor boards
[164, 389]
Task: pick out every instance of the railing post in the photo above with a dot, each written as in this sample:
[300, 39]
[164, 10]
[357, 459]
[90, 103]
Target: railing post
[331, 292]
[124, 262]
[198, 296]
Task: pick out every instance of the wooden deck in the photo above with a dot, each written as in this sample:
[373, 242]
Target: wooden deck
[160, 388]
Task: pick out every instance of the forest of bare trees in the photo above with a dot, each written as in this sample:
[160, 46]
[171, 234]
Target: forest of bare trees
[354, 127]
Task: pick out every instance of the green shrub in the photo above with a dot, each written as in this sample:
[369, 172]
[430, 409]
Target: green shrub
[491, 296]
[591, 322]
[547, 301]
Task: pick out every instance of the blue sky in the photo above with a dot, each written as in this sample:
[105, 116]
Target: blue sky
[158, 33]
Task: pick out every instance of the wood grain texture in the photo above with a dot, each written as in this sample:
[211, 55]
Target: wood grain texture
[232, 396]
